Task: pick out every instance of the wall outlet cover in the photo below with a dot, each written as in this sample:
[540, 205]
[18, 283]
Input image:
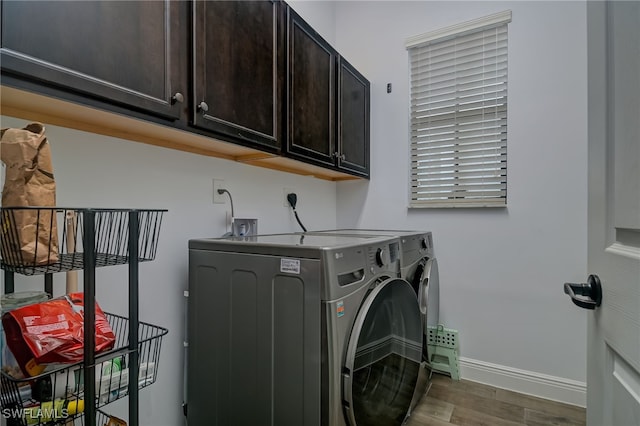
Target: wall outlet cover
[219, 198]
[245, 227]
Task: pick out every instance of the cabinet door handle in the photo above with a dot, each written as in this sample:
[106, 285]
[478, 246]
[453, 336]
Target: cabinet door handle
[335, 155]
[178, 97]
[343, 157]
[202, 106]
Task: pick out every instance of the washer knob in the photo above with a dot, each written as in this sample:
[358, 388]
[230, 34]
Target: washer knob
[424, 244]
[380, 257]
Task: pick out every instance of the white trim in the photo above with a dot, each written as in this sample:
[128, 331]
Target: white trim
[457, 205]
[457, 29]
[627, 377]
[523, 381]
[624, 250]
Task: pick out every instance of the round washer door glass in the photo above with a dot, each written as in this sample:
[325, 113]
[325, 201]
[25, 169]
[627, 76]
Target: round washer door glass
[383, 356]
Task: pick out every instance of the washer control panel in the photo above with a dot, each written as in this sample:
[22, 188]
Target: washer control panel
[384, 255]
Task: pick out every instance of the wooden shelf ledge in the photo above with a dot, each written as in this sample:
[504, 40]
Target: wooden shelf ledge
[35, 107]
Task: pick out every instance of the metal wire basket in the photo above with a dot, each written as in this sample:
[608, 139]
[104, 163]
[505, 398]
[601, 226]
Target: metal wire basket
[57, 396]
[41, 240]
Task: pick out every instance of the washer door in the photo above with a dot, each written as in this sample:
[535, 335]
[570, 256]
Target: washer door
[383, 356]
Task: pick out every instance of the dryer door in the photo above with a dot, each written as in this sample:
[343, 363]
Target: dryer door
[383, 356]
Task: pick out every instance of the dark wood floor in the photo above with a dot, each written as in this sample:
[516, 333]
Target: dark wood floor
[465, 403]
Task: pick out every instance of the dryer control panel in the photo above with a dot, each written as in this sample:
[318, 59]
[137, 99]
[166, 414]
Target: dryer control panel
[418, 245]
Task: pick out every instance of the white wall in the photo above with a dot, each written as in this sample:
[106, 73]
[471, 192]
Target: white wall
[501, 270]
[320, 14]
[98, 171]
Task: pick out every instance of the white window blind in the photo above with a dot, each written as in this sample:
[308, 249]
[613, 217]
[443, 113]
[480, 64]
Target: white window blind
[459, 115]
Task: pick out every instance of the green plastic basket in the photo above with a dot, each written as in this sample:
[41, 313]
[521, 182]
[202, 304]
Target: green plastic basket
[442, 347]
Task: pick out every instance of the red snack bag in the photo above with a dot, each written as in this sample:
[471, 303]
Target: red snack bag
[53, 332]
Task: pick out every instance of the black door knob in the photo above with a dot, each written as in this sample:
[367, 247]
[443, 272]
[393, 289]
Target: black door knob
[587, 296]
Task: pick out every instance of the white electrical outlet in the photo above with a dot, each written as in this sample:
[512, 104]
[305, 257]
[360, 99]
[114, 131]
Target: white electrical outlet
[245, 227]
[219, 198]
[285, 192]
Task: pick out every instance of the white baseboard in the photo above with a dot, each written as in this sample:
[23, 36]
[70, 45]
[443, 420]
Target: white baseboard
[523, 381]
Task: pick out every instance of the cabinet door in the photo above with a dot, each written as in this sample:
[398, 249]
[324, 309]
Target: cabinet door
[353, 119]
[239, 69]
[311, 94]
[124, 53]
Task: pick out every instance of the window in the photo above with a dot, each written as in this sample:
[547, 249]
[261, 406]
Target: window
[459, 115]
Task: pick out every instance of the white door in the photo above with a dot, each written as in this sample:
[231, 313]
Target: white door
[613, 357]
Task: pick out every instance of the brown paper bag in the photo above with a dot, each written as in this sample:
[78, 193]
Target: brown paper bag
[115, 421]
[29, 236]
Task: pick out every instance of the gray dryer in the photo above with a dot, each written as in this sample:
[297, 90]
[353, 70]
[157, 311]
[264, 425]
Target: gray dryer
[301, 330]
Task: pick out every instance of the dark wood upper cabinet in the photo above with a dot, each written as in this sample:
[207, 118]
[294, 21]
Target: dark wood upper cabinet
[238, 68]
[311, 91]
[353, 119]
[128, 54]
[327, 103]
[252, 73]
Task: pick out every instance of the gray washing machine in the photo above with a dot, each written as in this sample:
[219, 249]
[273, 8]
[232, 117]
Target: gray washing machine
[297, 329]
[419, 266]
